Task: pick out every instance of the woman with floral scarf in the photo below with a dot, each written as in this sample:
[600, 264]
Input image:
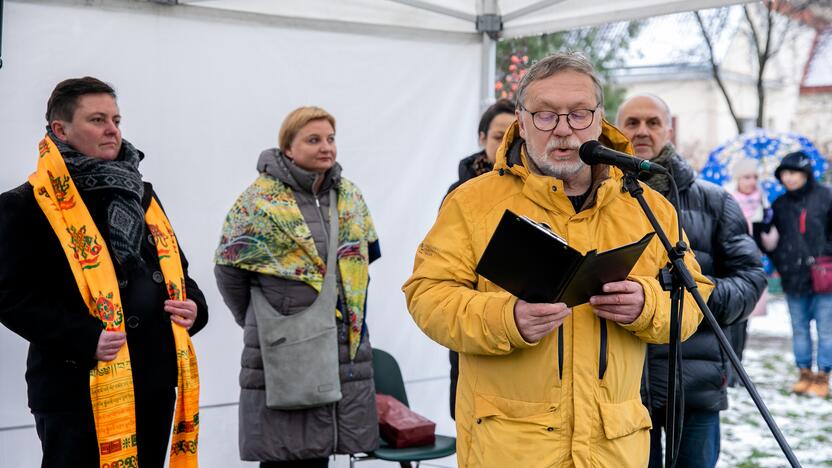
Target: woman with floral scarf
[292, 266]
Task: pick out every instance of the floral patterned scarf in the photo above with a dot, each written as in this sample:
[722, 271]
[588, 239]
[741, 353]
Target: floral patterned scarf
[265, 232]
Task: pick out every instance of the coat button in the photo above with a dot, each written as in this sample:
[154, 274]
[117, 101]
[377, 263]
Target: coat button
[122, 284]
[133, 322]
[158, 277]
[554, 188]
[550, 429]
[479, 421]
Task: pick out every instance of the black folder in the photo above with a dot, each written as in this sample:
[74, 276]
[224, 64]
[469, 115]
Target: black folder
[530, 261]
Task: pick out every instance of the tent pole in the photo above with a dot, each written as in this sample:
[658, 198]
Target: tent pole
[1, 33]
[529, 9]
[423, 5]
[490, 24]
[488, 71]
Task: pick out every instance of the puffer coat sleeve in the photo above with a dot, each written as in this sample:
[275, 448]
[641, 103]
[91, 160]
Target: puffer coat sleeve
[737, 271]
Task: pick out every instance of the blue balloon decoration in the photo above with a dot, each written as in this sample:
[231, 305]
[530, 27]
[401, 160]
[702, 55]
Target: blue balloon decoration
[768, 148]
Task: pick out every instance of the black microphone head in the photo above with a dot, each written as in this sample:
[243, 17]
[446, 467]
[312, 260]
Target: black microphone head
[587, 152]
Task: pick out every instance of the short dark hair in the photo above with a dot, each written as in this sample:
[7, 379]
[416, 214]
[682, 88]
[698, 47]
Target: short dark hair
[502, 106]
[64, 99]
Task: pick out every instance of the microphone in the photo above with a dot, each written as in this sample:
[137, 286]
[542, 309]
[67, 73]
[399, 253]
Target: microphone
[593, 152]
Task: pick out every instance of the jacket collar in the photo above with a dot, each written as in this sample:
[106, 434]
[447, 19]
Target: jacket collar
[274, 163]
[683, 172]
[467, 170]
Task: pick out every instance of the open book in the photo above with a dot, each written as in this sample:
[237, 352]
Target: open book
[530, 261]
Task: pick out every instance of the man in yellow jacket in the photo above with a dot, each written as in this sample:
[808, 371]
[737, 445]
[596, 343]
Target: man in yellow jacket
[543, 385]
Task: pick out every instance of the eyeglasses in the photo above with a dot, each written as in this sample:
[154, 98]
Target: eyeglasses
[578, 119]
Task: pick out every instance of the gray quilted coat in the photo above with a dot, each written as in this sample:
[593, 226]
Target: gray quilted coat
[348, 426]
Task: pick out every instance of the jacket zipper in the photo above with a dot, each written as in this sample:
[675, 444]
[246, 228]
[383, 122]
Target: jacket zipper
[335, 428]
[602, 358]
[560, 352]
[321, 215]
[326, 238]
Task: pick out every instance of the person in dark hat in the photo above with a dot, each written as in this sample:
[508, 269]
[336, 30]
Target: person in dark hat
[802, 217]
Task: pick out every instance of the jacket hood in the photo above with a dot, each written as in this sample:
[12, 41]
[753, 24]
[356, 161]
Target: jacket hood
[509, 152]
[274, 163]
[683, 172]
[511, 159]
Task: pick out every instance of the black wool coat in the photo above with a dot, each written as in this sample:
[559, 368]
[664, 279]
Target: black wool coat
[466, 169]
[718, 234]
[40, 301]
[795, 251]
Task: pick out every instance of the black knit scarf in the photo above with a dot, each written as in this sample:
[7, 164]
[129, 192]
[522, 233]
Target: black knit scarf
[660, 182]
[119, 182]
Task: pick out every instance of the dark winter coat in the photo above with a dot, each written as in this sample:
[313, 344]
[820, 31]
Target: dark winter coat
[796, 251]
[718, 235]
[40, 301]
[470, 167]
[351, 424]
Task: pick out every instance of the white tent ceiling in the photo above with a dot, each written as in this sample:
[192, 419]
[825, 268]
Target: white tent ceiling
[519, 17]
[489, 18]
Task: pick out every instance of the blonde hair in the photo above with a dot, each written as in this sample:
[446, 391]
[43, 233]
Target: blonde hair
[296, 120]
[744, 166]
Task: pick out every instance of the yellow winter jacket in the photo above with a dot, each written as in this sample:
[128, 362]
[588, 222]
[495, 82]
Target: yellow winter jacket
[544, 404]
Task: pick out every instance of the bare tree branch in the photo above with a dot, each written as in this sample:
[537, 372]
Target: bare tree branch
[715, 71]
[762, 58]
[772, 49]
[755, 36]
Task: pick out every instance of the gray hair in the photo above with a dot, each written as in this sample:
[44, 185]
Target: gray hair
[557, 63]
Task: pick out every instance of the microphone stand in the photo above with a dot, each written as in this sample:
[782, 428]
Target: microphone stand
[683, 278]
[1, 33]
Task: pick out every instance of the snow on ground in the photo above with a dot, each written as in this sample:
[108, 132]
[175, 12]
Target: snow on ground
[805, 421]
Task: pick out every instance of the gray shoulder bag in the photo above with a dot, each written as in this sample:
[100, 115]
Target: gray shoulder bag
[300, 351]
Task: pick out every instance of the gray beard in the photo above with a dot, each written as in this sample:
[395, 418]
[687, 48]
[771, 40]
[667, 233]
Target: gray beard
[560, 171]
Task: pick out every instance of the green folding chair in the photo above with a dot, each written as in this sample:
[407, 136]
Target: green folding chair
[388, 380]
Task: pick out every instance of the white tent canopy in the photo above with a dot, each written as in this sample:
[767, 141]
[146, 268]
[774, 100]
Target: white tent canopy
[519, 17]
[488, 18]
[203, 87]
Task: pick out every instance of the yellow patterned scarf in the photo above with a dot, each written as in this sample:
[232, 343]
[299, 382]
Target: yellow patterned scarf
[111, 383]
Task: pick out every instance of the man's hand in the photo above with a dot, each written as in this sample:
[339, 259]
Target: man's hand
[621, 302]
[182, 313]
[534, 321]
[109, 342]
